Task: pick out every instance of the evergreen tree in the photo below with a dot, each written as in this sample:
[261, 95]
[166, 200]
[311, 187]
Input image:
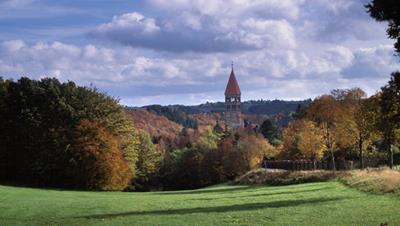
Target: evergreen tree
[387, 10]
[270, 130]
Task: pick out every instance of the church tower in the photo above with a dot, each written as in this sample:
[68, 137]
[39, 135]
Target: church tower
[233, 115]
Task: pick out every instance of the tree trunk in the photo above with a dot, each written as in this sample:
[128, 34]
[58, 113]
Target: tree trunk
[390, 155]
[333, 161]
[360, 146]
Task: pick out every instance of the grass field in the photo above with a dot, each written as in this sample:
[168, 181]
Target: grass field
[326, 203]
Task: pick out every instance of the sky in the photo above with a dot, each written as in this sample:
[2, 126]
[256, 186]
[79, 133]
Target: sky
[180, 51]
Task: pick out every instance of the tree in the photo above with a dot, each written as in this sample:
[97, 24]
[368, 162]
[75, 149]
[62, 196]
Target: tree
[303, 139]
[366, 119]
[95, 159]
[3, 132]
[351, 128]
[387, 10]
[218, 128]
[300, 112]
[291, 139]
[270, 130]
[246, 153]
[208, 140]
[253, 149]
[40, 118]
[311, 142]
[325, 111]
[148, 162]
[390, 113]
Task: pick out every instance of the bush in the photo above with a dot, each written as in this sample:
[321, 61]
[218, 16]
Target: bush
[284, 177]
[380, 180]
[214, 159]
[374, 180]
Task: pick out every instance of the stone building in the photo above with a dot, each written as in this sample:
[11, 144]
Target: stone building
[233, 115]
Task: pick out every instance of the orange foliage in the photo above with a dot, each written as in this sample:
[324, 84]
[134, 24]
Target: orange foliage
[155, 125]
[97, 161]
[208, 119]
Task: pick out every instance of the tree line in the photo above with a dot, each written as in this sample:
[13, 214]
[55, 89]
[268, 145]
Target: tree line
[349, 125]
[63, 135]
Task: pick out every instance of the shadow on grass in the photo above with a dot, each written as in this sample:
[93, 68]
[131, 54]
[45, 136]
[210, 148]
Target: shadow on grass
[210, 190]
[216, 209]
[266, 194]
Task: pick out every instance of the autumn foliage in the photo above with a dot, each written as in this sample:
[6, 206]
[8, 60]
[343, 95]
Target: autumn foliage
[213, 158]
[63, 135]
[96, 160]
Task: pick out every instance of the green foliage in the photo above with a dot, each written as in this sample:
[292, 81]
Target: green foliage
[37, 127]
[300, 112]
[214, 159]
[174, 115]
[148, 163]
[218, 128]
[389, 123]
[387, 10]
[270, 130]
[206, 141]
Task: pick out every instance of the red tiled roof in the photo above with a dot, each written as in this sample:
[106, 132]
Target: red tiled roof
[232, 88]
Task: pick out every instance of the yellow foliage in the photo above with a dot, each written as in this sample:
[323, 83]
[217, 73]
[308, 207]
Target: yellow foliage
[311, 143]
[302, 138]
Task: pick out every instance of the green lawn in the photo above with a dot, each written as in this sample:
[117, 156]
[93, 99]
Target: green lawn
[328, 203]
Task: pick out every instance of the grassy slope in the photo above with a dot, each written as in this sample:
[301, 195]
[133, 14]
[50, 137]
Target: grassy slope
[328, 203]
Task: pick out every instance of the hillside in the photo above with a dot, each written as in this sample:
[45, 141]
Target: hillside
[155, 125]
[205, 120]
[208, 114]
[264, 107]
[328, 203]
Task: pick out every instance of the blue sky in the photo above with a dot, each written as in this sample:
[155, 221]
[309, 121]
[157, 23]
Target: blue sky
[180, 51]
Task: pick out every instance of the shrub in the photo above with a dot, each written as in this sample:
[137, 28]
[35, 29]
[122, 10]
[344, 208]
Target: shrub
[380, 180]
[284, 177]
[214, 159]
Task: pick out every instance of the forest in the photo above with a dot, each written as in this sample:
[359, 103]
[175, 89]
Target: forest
[63, 135]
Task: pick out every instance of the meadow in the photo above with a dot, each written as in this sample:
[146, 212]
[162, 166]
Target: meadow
[322, 203]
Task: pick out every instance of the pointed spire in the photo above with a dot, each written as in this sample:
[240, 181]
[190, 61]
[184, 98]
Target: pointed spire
[232, 88]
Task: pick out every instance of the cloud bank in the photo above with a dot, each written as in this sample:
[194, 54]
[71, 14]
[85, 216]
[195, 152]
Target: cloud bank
[181, 51]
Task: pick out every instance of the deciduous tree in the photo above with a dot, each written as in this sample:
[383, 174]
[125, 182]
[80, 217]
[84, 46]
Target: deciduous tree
[149, 159]
[95, 159]
[311, 141]
[325, 111]
[390, 113]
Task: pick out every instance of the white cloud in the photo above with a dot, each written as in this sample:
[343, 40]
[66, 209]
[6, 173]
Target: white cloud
[376, 62]
[135, 22]
[136, 75]
[206, 26]
[288, 9]
[181, 51]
